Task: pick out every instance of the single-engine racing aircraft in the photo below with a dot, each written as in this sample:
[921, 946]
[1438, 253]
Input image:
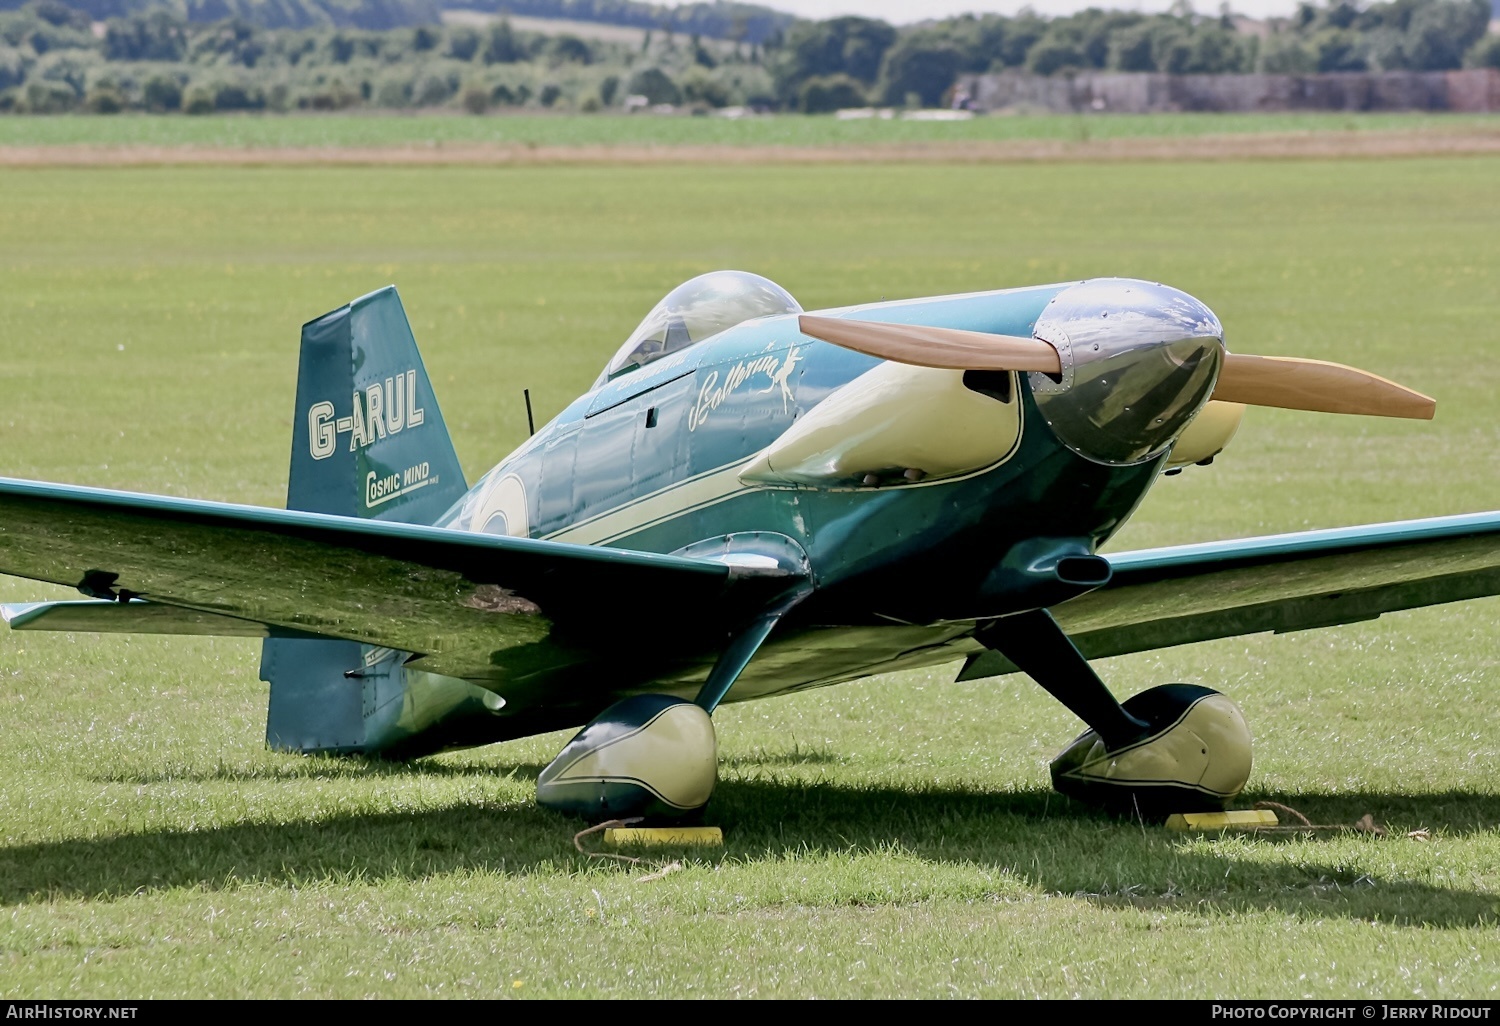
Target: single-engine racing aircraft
[750, 501]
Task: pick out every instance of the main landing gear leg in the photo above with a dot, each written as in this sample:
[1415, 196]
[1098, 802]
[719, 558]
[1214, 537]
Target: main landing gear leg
[652, 757]
[1040, 649]
[1173, 748]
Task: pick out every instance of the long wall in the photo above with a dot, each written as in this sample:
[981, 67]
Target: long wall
[1476, 90]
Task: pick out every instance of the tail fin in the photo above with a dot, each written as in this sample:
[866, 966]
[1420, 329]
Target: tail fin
[367, 438]
[367, 441]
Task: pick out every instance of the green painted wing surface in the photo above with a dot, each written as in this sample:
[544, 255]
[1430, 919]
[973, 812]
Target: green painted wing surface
[475, 606]
[1174, 596]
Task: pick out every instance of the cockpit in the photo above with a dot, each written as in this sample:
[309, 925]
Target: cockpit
[695, 310]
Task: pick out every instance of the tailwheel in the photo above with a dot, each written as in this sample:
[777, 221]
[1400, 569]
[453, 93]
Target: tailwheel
[1193, 757]
[651, 756]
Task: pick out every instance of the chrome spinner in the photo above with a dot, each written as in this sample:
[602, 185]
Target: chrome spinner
[1139, 360]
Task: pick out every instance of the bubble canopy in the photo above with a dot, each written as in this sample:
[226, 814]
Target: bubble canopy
[696, 309]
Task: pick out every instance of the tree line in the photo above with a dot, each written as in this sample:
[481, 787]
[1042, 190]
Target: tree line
[847, 61]
[720, 19]
[300, 14]
[58, 55]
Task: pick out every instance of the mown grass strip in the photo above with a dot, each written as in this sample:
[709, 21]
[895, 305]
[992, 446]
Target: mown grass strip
[894, 837]
[360, 130]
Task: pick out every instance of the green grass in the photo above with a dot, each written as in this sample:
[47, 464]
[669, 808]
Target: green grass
[891, 837]
[646, 130]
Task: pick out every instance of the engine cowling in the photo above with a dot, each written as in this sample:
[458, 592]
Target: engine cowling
[1207, 435]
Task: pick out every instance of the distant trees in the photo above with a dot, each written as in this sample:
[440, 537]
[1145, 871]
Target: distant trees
[919, 65]
[565, 49]
[12, 68]
[333, 54]
[721, 19]
[850, 49]
[1439, 34]
[655, 85]
[823, 93]
[157, 36]
[1401, 35]
[1485, 53]
[161, 93]
[463, 44]
[922, 68]
[501, 45]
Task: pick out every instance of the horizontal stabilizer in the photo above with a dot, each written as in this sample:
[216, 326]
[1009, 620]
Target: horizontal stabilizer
[103, 616]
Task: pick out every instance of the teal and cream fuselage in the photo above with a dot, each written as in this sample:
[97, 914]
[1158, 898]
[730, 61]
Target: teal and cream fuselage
[672, 455]
[921, 505]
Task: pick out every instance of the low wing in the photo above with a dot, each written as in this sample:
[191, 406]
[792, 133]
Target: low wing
[1174, 596]
[107, 616]
[475, 606]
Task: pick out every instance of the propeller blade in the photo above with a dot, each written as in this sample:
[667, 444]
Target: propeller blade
[1295, 384]
[949, 348]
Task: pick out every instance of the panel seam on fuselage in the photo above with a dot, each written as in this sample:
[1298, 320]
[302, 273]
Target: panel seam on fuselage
[739, 488]
[598, 519]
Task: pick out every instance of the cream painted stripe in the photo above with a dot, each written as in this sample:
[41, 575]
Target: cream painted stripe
[637, 528]
[645, 498]
[674, 500]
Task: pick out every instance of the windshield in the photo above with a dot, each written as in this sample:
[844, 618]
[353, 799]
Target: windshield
[697, 309]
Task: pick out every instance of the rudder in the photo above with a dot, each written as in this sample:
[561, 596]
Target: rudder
[368, 440]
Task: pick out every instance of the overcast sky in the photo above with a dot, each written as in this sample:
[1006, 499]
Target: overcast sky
[900, 12]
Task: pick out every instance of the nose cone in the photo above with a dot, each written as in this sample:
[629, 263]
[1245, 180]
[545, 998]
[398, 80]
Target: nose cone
[1139, 360]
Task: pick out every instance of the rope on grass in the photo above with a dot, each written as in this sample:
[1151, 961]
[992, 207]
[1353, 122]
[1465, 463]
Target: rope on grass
[660, 870]
[608, 824]
[1365, 825]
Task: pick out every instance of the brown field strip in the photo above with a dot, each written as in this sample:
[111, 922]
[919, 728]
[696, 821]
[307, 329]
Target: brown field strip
[1260, 146]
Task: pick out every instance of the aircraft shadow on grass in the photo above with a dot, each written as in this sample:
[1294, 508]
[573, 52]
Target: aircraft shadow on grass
[1041, 839]
[335, 768]
[312, 768]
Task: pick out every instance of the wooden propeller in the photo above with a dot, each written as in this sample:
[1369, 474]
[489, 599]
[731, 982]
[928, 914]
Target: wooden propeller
[1292, 383]
[949, 348]
[1286, 382]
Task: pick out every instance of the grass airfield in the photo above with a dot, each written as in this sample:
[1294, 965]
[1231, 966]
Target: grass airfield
[585, 130]
[894, 837]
